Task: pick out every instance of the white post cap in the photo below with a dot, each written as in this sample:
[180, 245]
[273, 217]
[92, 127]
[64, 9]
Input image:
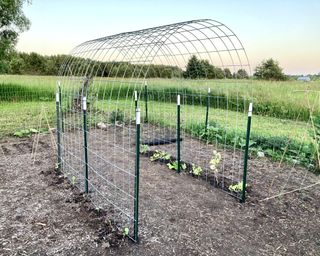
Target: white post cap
[84, 103]
[138, 116]
[250, 109]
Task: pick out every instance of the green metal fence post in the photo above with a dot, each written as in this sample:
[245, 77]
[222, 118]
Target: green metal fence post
[178, 134]
[146, 100]
[85, 138]
[137, 174]
[58, 130]
[135, 100]
[207, 111]
[245, 164]
[60, 105]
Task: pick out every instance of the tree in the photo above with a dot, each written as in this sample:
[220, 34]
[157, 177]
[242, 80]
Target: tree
[12, 22]
[269, 70]
[195, 68]
[227, 73]
[242, 74]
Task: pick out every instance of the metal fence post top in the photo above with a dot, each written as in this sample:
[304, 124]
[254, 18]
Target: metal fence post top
[84, 103]
[135, 95]
[58, 82]
[250, 109]
[145, 83]
[138, 116]
[209, 90]
[178, 99]
[57, 97]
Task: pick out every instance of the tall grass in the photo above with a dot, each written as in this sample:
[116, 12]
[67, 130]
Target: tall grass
[286, 100]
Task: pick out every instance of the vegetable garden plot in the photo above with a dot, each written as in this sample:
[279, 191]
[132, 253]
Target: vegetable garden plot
[103, 95]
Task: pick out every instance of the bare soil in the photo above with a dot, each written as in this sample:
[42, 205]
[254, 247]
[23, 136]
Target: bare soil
[42, 214]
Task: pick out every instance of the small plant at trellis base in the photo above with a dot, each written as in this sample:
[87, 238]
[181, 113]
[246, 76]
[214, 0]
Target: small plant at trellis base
[144, 149]
[215, 160]
[237, 188]
[125, 232]
[174, 165]
[160, 155]
[73, 180]
[196, 170]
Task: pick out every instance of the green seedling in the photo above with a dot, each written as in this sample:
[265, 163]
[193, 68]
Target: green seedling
[73, 180]
[196, 170]
[236, 187]
[160, 155]
[215, 160]
[125, 232]
[144, 149]
[174, 166]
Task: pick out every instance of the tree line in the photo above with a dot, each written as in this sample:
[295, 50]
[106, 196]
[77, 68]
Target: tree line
[36, 64]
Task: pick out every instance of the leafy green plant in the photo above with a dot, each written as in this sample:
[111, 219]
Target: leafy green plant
[144, 148]
[160, 155]
[215, 160]
[236, 187]
[73, 180]
[125, 231]
[116, 116]
[196, 170]
[25, 132]
[174, 165]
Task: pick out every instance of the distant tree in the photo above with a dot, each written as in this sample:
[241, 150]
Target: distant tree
[202, 69]
[12, 22]
[16, 65]
[242, 74]
[227, 73]
[269, 70]
[195, 68]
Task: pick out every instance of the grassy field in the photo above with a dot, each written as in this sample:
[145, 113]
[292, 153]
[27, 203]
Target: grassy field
[281, 109]
[286, 100]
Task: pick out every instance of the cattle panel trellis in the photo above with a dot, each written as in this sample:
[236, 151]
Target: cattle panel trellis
[107, 83]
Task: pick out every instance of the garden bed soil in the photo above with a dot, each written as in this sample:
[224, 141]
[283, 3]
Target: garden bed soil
[42, 214]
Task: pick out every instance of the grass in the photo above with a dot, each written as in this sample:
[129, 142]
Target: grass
[229, 120]
[286, 100]
[17, 116]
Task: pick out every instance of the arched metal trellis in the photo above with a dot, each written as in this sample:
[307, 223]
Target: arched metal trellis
[105, 80]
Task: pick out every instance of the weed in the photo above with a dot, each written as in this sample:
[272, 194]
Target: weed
[117, 116]
[25, 132]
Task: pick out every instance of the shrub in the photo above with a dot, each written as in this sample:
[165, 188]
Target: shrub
[117, 116]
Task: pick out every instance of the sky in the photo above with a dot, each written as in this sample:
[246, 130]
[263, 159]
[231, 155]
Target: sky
[288, 31]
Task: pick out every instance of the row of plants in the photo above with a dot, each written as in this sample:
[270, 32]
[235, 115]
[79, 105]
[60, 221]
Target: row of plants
[196, 170]
[277, 148]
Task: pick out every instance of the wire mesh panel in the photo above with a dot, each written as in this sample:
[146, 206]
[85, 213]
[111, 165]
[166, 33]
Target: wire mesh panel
[149, 69]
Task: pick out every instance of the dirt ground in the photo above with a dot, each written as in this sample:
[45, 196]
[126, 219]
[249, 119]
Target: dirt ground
[42, 214]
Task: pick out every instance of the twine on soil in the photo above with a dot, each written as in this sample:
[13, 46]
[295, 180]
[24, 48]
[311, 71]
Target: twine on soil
[291, 191]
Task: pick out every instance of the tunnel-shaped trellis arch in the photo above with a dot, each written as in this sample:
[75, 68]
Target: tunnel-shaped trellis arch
[110, 71]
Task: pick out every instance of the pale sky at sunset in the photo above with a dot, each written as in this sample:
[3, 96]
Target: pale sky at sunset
[288, 31]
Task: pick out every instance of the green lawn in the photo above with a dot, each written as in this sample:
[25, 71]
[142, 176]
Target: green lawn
[15, 116]
[165, 113]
